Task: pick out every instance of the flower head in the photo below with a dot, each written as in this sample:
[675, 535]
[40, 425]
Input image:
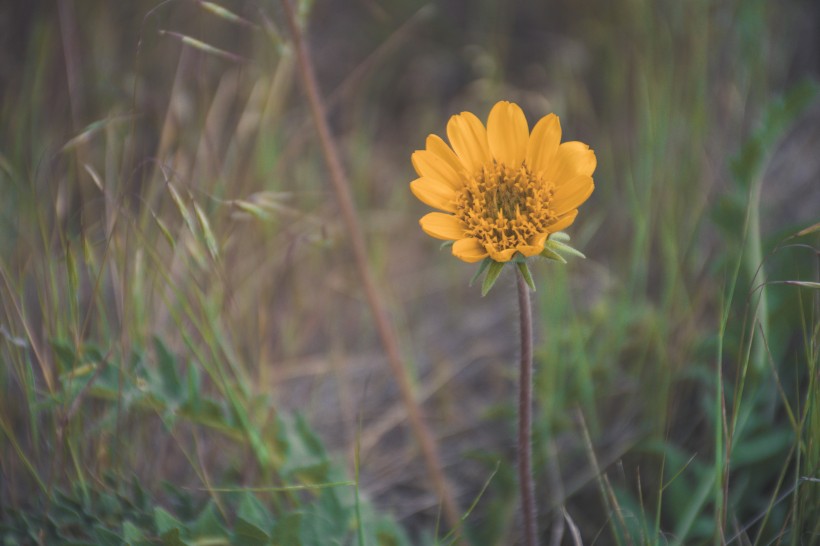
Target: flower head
[502, 189]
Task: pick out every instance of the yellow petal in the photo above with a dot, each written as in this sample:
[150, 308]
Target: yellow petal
[570, 195]
[469, 250]
[530, 250]
[564, 221]
[438, 147]
[442, 226]
[508, 134]
[572, 158]
[434, 193]
[503, 255]
[538, 240]
[543, 144]
[469, 140]
[430, 165]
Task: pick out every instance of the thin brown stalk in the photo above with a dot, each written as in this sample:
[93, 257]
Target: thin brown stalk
[607, 495]
[348, 85]
[528, 510]
[384, 326]
[558, 496]
[71, 52]
[39, 355]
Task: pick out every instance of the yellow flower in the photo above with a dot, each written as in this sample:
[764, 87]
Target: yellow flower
[502, 189]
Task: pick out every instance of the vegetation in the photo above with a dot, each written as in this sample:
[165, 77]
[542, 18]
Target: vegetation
[186, 351]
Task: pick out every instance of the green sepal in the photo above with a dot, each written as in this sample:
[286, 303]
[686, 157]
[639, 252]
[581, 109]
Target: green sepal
[492, 275]
[485, 263]
[525, 272]
[563, 247]
[552, 255]
[559, 236]
[446, 244]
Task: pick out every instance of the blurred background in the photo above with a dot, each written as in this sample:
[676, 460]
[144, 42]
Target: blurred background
[181, 320]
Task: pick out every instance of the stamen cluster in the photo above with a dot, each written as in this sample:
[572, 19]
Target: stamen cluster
[505, 207]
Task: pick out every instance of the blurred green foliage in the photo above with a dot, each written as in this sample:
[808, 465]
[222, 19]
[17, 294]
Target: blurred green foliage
[170, 261]
[116, 511]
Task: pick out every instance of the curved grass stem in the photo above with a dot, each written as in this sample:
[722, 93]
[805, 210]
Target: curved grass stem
[384, 326]
[525, 414]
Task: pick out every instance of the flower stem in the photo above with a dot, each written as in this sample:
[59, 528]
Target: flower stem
[525, 414]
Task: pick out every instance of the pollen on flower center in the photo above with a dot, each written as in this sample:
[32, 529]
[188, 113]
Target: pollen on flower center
[505, 207]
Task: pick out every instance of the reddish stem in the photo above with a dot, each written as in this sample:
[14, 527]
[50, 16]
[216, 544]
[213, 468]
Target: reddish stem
[525, 415]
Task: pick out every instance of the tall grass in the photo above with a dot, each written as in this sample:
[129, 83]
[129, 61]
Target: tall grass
[186, 352]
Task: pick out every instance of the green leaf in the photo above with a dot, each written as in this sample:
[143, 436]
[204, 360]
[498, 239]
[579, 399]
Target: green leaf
[167, 367]
[64, 511]
[132, 534]
[324, 519]
[492, 275]
[210, 413]
[165, 522]
[485, 263]
[287, 529]
[139, 498]
[73, 275]
[108, 505]
[525, 272]
[194, 386]
[106, 537]
[304, 454]
[389, 533]
[310, 439]
[208, 525]
[172, 538]
[67, 359]
[252, 510]
[762, 447]
[250, 534]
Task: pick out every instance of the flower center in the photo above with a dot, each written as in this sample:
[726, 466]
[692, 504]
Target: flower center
[505, 207]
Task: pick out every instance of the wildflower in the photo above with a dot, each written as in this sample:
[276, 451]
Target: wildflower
[501, 189]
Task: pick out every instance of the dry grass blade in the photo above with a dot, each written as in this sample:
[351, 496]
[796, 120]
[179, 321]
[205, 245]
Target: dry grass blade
[202, 46]
[810, 229]
[94, 176]
[207, 232]
[804, 284]
[556, 493]
[9, 433]
[603, 482]
[92, 129]
[44, 365]
[226, 14]
[164, 230]
[573, 528]
[183, 208]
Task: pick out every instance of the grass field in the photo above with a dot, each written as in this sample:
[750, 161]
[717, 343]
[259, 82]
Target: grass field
[188, 349]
